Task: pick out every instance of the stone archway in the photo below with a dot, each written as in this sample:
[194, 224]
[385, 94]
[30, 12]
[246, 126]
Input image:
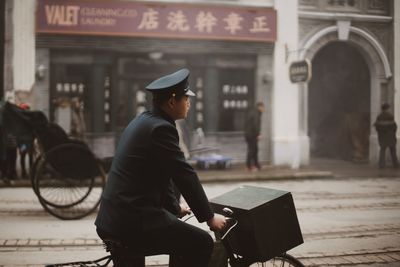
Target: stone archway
[377, 63]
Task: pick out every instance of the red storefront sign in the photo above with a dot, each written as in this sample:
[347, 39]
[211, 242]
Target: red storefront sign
[170, 20]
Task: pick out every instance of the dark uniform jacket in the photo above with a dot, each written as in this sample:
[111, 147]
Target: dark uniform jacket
[252, 124]
[386, 128]
[139, 193]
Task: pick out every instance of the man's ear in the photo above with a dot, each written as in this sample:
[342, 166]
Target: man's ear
[171, 102]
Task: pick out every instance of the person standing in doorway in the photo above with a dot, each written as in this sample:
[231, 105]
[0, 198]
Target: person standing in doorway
[252, 129]
[386, 128]
[78, 126]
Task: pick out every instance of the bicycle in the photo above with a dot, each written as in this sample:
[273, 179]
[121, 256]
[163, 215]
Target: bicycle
[122, 252]
[262, 227]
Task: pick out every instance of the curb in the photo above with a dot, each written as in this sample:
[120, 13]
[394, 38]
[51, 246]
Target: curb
[230, 176]
[265, 176]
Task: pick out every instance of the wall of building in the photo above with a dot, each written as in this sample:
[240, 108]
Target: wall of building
[365, 25]
[396, 69]
[304, 27]
[136, 60]
[24, 45]
[286, 138]
[19, 63]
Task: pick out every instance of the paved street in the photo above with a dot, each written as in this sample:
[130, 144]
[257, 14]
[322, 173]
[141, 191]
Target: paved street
[344, 222]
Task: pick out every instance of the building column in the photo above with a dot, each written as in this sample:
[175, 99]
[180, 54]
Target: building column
[264, 93]
[304, 139]
[396, 70]
[211, 80]
[97, 98]
[2, 46]
[8, 82]
[23, 60]
[286, 139]
[42, 83]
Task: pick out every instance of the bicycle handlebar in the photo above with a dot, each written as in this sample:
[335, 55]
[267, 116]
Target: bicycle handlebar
[227, 213]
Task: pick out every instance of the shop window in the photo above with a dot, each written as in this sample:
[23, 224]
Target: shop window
[236, 94]
[69, 98]
[131, 100]
[80, 98]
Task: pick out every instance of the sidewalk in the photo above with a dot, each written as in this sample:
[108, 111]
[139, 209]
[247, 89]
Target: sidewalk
[317, 169]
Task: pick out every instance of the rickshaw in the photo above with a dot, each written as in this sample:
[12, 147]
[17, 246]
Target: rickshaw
[66, 176]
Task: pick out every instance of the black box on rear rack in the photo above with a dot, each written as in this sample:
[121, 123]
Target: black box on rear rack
[267, 221]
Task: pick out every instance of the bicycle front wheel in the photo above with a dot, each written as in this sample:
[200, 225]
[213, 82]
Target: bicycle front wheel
[284, 260]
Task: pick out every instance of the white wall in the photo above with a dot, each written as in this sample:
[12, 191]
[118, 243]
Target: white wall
[396, 69]
[286, 141]
[24, 44]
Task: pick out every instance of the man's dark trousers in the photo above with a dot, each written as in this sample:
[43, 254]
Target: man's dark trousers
[382, 154]
[252, 153]
[188, 245]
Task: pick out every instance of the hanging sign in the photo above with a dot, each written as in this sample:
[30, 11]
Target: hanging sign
[300, 71]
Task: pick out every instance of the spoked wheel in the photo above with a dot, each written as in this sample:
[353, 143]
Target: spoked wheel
[68, 181]
[284, 260]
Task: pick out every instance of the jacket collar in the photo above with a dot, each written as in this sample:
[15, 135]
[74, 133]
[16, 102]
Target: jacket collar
[163, 114]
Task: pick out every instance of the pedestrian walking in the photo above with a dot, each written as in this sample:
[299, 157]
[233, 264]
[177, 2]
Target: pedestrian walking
[386, 128]
[139, 207]
[252, 130]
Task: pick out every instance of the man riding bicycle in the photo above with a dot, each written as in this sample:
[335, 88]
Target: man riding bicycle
[138, 206]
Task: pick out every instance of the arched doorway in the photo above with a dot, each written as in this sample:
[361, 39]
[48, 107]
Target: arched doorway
[339, 97]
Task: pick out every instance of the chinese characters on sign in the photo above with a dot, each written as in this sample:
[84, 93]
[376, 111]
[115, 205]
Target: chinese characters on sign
[235, 96]
[157, 20]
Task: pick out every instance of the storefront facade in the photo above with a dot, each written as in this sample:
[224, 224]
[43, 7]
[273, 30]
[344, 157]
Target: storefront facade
[78, 57]
[86, 54]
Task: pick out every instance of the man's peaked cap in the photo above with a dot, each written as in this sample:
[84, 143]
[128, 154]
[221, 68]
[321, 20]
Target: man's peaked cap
[175, 84]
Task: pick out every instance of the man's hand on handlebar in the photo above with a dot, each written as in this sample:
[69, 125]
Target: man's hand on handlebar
[185, 210]
[217, 223]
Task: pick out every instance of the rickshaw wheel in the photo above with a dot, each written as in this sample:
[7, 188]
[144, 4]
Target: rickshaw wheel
[68, 181]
